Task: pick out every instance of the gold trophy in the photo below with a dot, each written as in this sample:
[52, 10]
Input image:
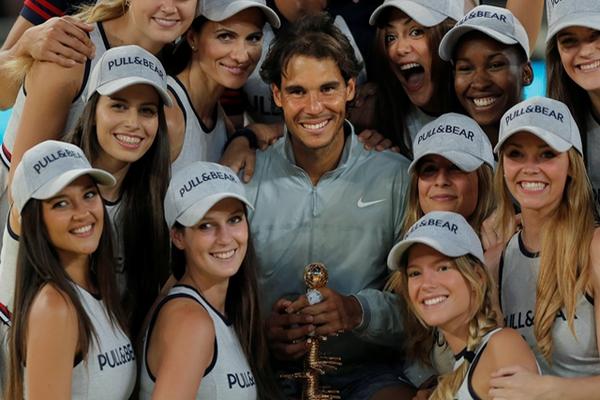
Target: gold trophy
[315, 365]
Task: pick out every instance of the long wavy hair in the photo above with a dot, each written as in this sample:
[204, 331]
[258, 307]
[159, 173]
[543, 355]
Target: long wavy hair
[485, 199]
[563, 88]
[38, 264]
[421, 336]
[565, 248]
[140, 216]
[242, 307]
[392, 102]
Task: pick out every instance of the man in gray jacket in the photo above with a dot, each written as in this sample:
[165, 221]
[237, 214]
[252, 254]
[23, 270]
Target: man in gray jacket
[319, 196]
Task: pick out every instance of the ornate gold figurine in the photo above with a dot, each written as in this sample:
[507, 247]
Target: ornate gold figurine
[315, 365]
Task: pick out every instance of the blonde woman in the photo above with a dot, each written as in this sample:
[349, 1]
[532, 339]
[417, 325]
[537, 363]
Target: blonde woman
[441, 275]
[550, 273]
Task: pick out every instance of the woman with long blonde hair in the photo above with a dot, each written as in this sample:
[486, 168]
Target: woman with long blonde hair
[550, 272]
[440, 272]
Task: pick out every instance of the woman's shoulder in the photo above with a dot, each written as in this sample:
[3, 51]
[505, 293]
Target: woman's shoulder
[184, 318]
[507, 347]
[52, 301]
[53, 314]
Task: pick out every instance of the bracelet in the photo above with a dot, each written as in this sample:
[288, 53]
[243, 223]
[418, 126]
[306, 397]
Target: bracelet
[244, 132]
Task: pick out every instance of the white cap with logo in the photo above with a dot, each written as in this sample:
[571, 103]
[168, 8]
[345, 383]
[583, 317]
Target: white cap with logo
[562, 14]
[447, 232]
[425, 12]
[548, 119]
[49, 167]
[194, 189]
[457, 138]
[496, 22]
[124, 66]
[220, 10]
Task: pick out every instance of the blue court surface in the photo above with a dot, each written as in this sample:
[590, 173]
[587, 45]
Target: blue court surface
[537, 88]
[4, 115]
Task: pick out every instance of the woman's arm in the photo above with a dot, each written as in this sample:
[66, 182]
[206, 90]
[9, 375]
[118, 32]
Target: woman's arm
[52, 333]
[505, 348]
[50, 91]
[181, 348]
[60, 40]
[530, 14]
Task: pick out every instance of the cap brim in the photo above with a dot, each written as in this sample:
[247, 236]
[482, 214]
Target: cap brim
[423, 15]
[395, 255]
[552, 140]
[239, 6]
[591, 21]
[119, 84]
[466, 162]
[198, 210]
[54, 186]
[451, 38]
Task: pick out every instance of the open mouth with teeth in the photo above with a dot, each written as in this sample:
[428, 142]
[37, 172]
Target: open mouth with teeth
[413, 74]
[589, 66]
[235, 69]
[165, 22]
[83, 230]
[315, 126]
[481, 102]
[533, 186]
[224, 255]
[434, 301]
[128, 141]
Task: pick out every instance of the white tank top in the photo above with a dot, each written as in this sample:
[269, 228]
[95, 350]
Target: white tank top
[109, 370]
[466, 391]
[572, 355]
[199, 142]
[228, 376]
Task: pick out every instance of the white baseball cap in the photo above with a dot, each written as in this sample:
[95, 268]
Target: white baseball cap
[49, 167]
[194, 189]
[548, 119]
[425, 12]
[565, 13]
[457, 138]
[447, 232]
[124, 66]
[220, 10]
[496, 22]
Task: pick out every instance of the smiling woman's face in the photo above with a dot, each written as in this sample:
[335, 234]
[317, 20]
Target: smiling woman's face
[488, 77]
[228, 51]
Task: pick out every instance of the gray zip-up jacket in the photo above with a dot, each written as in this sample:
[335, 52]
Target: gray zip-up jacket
[349, 221]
